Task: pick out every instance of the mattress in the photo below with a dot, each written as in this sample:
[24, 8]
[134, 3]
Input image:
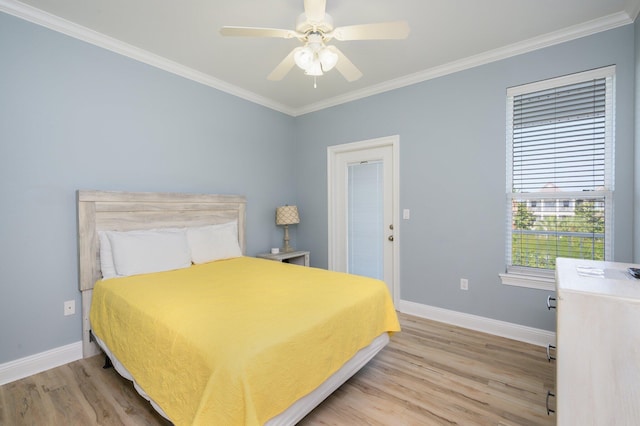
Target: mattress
[237, 341]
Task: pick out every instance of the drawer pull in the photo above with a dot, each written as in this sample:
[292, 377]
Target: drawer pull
[549, 410]
[549, 357]
[549, 299]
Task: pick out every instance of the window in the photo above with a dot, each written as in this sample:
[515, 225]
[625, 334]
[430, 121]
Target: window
[559, 174]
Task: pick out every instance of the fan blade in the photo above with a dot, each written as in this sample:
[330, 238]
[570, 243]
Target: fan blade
[258, 32]
[315, 10]
[349, 71]
[382, 31]
[283, 67]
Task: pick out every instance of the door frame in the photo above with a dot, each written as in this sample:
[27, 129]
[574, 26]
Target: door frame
[333, 240]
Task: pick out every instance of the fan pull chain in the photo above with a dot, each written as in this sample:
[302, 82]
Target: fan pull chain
[315, 84]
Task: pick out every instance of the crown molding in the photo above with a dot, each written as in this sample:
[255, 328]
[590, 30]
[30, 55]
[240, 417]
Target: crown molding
[567, 34]
[47, 20]
[55, 23]
[633, 8]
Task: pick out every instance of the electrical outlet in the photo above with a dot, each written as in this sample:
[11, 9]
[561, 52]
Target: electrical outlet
[464, 284]
[69, 307]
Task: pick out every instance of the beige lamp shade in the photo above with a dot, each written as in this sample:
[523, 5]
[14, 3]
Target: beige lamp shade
[287, 215]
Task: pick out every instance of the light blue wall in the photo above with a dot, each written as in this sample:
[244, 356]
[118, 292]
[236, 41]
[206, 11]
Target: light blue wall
[75, 116]
[452, 173]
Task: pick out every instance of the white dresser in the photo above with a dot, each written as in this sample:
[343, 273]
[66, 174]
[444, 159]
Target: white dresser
[598, 344]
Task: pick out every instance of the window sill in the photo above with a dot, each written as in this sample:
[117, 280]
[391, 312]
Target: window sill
[529, 281]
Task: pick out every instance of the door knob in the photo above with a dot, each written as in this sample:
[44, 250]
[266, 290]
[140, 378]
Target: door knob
[390, 238]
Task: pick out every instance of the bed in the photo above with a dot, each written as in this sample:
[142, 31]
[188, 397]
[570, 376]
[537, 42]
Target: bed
[238, 340]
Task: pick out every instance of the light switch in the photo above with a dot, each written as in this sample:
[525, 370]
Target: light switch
[406, 214]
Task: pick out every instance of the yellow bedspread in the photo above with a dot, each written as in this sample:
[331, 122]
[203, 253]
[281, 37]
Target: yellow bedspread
[235, 342]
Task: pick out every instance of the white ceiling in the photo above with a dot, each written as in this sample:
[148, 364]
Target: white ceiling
[446, 36]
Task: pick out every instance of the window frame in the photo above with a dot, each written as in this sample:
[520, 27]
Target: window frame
[539, 278]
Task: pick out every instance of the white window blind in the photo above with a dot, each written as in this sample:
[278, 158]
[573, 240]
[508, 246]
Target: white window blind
[560, 171]
[365, 219]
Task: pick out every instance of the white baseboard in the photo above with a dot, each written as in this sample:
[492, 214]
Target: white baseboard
[33, 364]
[509, 330]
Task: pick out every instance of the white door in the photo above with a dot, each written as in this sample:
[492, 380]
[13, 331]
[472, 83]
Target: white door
[363, 207]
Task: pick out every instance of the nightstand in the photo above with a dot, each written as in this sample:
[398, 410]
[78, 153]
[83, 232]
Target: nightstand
[297, 257]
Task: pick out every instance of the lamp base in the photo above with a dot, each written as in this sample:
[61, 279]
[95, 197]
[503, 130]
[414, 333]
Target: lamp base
[287, 248]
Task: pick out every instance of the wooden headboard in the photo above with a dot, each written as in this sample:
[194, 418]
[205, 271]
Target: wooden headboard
[124, 211]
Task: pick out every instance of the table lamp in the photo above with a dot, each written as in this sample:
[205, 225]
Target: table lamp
[287, 215]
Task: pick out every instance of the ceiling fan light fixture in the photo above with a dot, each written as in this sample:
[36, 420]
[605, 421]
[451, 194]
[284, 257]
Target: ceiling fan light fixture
[328, 59]
[304, 57]
[315, 69]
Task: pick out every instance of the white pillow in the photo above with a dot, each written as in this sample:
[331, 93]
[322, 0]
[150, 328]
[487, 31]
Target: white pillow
[214, 242]
[106, 257]
[143, 252]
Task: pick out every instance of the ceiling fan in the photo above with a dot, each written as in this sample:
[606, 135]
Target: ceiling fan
[314, 28]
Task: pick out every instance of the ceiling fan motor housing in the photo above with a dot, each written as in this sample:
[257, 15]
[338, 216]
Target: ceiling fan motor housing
[304, 25]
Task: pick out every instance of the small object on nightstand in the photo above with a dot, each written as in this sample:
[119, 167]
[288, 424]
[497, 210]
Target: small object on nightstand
[299, 257]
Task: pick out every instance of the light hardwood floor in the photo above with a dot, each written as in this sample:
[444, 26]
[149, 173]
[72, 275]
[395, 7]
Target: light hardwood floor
[430, 374]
